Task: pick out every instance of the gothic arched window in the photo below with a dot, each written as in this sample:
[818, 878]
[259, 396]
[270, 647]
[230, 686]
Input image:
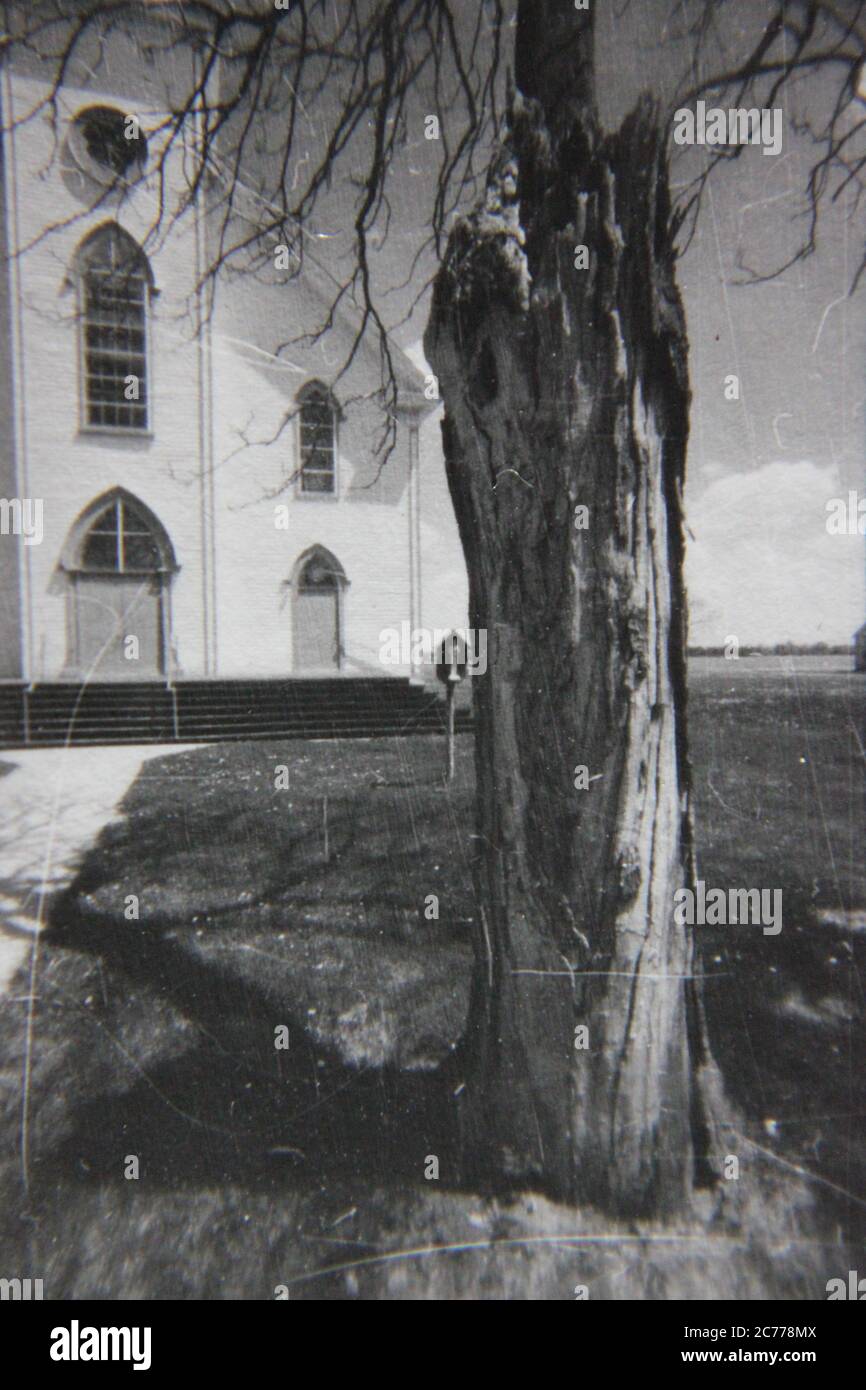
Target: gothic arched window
[318, 429]
[121, 540]
[115, 290]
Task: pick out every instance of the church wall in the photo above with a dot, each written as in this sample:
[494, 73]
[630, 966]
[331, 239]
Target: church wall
[217, 466]
[11, 546]
[70, 466]
[444, 585]
[264, 525]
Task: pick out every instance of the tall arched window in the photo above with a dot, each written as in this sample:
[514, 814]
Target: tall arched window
[115, 290]
[318, 417]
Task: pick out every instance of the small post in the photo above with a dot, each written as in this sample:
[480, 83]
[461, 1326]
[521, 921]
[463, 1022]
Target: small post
[325, 827]
[450, 670]
[449, 705]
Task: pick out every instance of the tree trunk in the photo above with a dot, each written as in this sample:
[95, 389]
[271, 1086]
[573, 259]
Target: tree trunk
[566, 388]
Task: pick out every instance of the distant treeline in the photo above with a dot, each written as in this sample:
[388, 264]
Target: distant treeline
[781, 649]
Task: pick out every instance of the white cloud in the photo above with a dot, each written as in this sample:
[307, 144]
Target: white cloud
[762, 566]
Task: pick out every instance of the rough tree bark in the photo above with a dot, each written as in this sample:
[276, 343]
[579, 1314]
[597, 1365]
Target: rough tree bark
[568, 388]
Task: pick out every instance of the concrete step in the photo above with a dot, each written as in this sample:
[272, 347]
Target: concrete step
[205, 711]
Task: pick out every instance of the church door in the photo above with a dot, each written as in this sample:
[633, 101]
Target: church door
[118, 620]
[317, 617]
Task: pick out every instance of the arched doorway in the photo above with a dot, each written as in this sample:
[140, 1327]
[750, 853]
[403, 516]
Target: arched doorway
[317, 612]
[119, 563]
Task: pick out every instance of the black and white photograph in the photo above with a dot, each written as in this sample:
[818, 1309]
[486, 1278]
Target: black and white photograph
[432, 659]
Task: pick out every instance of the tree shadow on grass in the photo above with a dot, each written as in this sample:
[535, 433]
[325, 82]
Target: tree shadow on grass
[219, 1103]
[226, 1107]
[223, 1110]
[787, 1023]
[222, 1125]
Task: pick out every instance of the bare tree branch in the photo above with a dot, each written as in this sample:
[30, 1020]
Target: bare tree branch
[800, 40]
[257, 73]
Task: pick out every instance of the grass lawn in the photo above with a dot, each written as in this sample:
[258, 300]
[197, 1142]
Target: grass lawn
[304, 907]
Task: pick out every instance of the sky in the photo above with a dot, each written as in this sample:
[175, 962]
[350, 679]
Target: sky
[761, 564]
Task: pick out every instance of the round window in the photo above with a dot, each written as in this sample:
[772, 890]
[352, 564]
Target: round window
[107, 144]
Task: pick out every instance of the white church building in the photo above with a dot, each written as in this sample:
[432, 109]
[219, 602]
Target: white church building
[202, 487]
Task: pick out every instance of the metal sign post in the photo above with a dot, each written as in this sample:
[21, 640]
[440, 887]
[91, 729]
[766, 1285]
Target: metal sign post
[450, 670]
